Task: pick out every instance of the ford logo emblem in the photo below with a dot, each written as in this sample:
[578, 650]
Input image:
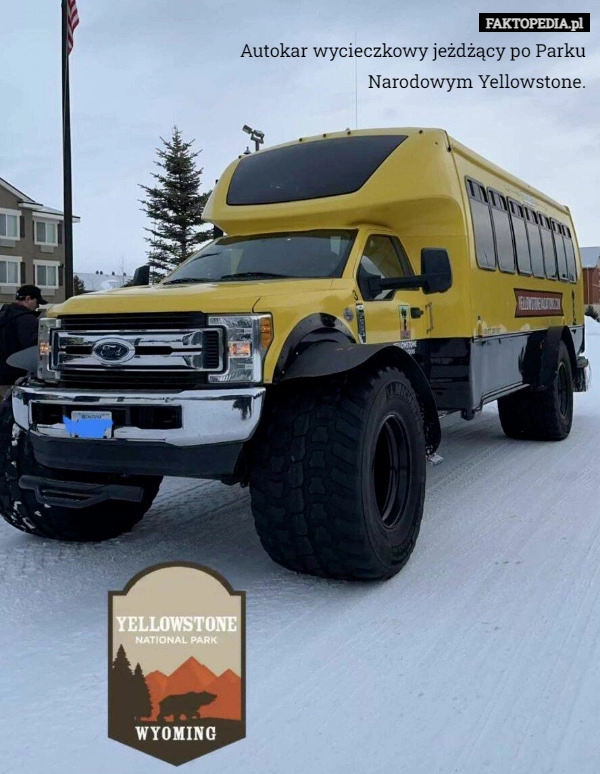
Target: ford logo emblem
[113, 351]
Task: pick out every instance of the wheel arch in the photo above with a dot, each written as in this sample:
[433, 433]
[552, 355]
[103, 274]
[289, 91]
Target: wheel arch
[540, 362]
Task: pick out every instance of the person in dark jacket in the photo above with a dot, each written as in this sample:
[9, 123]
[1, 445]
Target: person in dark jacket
[18, 330]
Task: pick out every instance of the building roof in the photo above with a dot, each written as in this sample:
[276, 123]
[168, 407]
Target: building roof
[30, 204]
[15, 192]
[590, 257]
[94, 282]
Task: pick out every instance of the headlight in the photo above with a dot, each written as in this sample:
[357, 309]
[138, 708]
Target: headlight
[45, 369]
[248, 338]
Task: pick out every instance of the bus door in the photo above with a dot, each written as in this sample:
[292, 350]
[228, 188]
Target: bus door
[400, 316]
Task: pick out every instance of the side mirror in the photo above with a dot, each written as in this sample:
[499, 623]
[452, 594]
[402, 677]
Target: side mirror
[435, 276]
[436, 270]
[141, 276]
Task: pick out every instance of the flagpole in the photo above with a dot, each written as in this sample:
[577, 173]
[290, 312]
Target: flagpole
[67, 187]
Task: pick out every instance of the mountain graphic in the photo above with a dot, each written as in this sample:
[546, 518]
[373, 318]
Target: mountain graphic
[228, 704]
[190, 676]
[194, 676]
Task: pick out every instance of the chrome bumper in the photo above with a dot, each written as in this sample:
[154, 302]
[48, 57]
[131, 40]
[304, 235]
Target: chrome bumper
[208, 417]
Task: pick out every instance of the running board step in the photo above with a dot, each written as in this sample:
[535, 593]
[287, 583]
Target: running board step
[78, 494]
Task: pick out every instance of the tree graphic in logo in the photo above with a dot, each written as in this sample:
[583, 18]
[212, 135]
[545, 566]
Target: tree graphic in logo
[129, 694]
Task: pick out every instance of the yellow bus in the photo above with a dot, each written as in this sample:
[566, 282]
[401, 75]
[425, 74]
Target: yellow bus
[361, 284]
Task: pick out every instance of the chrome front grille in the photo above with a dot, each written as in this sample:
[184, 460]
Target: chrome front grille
[136, 351]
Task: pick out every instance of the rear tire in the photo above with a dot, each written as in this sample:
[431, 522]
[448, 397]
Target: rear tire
[545, 415]
[21, 509]
[337, 475]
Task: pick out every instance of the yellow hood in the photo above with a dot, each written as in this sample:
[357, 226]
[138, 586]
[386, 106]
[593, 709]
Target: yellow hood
[228, 297]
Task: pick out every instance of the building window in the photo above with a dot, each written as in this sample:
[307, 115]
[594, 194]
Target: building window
[46, 232]
[10, 270]
[9, 224]
[46, 274]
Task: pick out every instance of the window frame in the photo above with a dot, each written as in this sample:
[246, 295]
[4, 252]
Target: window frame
[569, 241]
[492, 194]
[543, 220]
[16, 259]
[16, 214]
[403, 262]
[46, 222]
[473, 187]
[37, 263]
[512, 205]
[557, 235]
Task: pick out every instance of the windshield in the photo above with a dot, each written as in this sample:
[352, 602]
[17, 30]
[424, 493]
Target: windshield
[301, 255]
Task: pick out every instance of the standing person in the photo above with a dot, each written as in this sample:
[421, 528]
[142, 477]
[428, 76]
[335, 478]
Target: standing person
[18, 330]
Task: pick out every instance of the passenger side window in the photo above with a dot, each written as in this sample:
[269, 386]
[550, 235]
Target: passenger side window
[383, 258]
[560, 250]
[504, 243]
[548, 245]
[517, 219]
[535, 243]
[571, 263]
[482, 225]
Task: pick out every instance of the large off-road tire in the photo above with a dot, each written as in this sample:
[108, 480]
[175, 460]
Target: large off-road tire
[21, 509]
[337, 474]
[541, 415]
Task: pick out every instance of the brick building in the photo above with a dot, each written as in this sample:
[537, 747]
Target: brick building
[590, 260]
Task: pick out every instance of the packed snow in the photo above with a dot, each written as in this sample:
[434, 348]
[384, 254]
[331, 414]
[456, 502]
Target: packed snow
[482, 655]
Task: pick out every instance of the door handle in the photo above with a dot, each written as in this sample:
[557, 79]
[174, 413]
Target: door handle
[429, 307]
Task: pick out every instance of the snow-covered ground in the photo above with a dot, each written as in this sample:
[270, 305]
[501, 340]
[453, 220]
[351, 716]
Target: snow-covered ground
[482, 656]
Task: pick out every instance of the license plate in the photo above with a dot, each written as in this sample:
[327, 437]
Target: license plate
[89, 424]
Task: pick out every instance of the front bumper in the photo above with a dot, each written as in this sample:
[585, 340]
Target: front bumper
[214, 426]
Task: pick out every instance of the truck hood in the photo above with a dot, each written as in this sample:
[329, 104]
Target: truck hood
[228, 297]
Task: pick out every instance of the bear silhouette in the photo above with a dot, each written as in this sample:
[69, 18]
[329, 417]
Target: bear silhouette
[184, 704]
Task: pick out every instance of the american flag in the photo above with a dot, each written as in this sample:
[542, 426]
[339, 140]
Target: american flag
[72, 22]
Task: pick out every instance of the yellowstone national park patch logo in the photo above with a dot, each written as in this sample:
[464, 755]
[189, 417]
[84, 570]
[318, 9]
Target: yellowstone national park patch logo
[176, 673]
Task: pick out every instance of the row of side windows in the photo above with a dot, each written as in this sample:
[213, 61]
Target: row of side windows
[513, 237]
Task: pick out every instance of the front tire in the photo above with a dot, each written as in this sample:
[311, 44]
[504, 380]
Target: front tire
[21, 509]
[337, 475]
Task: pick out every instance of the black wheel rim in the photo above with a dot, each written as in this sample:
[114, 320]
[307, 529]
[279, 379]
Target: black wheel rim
[390, 470]
[564, 393]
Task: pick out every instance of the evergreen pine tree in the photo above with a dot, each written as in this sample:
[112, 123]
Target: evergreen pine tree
[174, 205]
[142, 706]
[78, 286]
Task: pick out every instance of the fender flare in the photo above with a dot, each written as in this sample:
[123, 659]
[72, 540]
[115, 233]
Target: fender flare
[540, 361]
[314, 329]
[326, 358]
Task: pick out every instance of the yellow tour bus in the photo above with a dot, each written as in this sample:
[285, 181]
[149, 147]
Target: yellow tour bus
[360, 285]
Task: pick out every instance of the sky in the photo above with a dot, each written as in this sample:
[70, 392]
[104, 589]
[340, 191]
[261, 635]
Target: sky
[142, 66]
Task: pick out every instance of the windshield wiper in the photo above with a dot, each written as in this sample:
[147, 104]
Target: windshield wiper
[253, 274]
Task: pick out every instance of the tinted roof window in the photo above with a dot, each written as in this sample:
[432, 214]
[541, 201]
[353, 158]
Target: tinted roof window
[309, 170]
